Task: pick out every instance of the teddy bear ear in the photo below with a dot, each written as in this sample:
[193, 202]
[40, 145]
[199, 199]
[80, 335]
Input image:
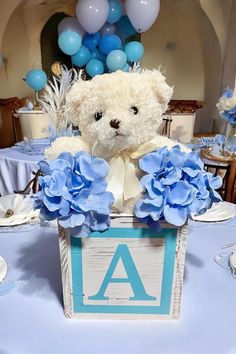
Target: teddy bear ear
[161, 89]
[75, 96]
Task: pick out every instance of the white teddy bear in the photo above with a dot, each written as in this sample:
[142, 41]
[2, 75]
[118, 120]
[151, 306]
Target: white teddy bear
[118, 115]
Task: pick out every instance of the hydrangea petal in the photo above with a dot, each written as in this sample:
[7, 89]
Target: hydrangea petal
[175, 215]
[48, 215]
[98, 186]
[44, 167]
[57, 183]
[101, 203]
[180, 194]
[100, 167]
[71, 221]
[82, 231]
[52, 203]
[59, 164]
[145, 180]
[173, 176]
[176, 158]
[70, 159]
[215, 182]
[157, 201]
[151, 163]
[64, 208]
[84, 165]
[75, 183]
[142, 210]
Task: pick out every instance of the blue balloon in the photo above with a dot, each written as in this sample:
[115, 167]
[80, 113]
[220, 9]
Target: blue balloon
[115, 11]
[1, 59]
[124, 27]
[81, 58]
[95, 67]
[134, 51]
[126, 68]
[96, 54]
[116, 60]
[69, 42]
[91, 41]
[109, 42]
[36, 79]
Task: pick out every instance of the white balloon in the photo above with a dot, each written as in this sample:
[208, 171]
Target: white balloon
[107, 29]
[142, 13]
[92, 14]
[70, 24]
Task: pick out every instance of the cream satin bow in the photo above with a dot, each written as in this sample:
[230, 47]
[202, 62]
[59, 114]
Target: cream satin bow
[122, 180]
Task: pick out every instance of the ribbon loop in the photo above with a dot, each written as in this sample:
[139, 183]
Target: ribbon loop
[122, 180]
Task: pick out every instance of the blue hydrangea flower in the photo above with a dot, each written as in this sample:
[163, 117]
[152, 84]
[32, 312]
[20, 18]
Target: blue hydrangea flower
[230, 116]
[176, 186]
[207, 141]
[73, 190]
[232, 148]
[219, 139]
[228, 93]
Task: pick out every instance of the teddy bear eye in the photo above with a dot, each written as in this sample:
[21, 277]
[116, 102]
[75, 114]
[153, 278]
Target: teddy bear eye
[98, 116]
[134, 110]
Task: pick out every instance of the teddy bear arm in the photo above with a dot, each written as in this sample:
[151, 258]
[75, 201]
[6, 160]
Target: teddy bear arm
[66, 144]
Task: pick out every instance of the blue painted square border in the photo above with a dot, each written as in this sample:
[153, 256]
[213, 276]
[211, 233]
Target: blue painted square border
[170, 236]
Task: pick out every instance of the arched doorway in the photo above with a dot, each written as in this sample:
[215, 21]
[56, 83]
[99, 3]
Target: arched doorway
[50, 51]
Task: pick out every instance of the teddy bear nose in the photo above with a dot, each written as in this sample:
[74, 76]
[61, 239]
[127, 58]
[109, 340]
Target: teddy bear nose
[114, 123]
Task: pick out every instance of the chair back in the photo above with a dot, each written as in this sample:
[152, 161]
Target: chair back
[10, 131]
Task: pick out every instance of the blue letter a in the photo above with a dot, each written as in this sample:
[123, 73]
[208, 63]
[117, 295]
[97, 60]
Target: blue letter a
[123, 253]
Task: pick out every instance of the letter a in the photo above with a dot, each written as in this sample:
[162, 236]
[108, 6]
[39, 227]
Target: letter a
[133, 278]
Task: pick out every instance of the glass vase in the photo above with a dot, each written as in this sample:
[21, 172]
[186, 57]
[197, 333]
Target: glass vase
[231, 136]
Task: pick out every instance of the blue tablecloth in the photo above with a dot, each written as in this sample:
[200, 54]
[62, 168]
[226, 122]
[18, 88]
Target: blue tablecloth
[32, 319]
[17, 165]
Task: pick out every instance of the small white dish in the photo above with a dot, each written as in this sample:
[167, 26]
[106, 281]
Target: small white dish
[15, 220]
[3, 268]
[19, 209]
[221, 211]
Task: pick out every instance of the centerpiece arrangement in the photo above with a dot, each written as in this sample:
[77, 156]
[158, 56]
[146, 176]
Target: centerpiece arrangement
[227, 110]
[121, 194]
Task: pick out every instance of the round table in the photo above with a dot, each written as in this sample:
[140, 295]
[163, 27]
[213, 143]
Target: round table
[16, 168]
[32, 318]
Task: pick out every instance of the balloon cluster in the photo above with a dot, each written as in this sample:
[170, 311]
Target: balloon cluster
[96, 39]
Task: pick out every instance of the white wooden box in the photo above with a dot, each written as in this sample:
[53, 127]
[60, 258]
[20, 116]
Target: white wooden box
[182, 127]
[126, 272]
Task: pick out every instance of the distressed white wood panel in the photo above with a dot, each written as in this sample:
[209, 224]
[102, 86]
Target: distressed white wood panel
[66, 267]
[148, 256]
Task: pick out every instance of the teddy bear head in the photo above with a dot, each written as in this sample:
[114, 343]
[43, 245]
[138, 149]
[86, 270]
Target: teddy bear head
[121, 110]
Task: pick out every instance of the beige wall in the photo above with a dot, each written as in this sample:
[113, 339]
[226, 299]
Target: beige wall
[174, 43]
[20, 44]
[15, 46]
